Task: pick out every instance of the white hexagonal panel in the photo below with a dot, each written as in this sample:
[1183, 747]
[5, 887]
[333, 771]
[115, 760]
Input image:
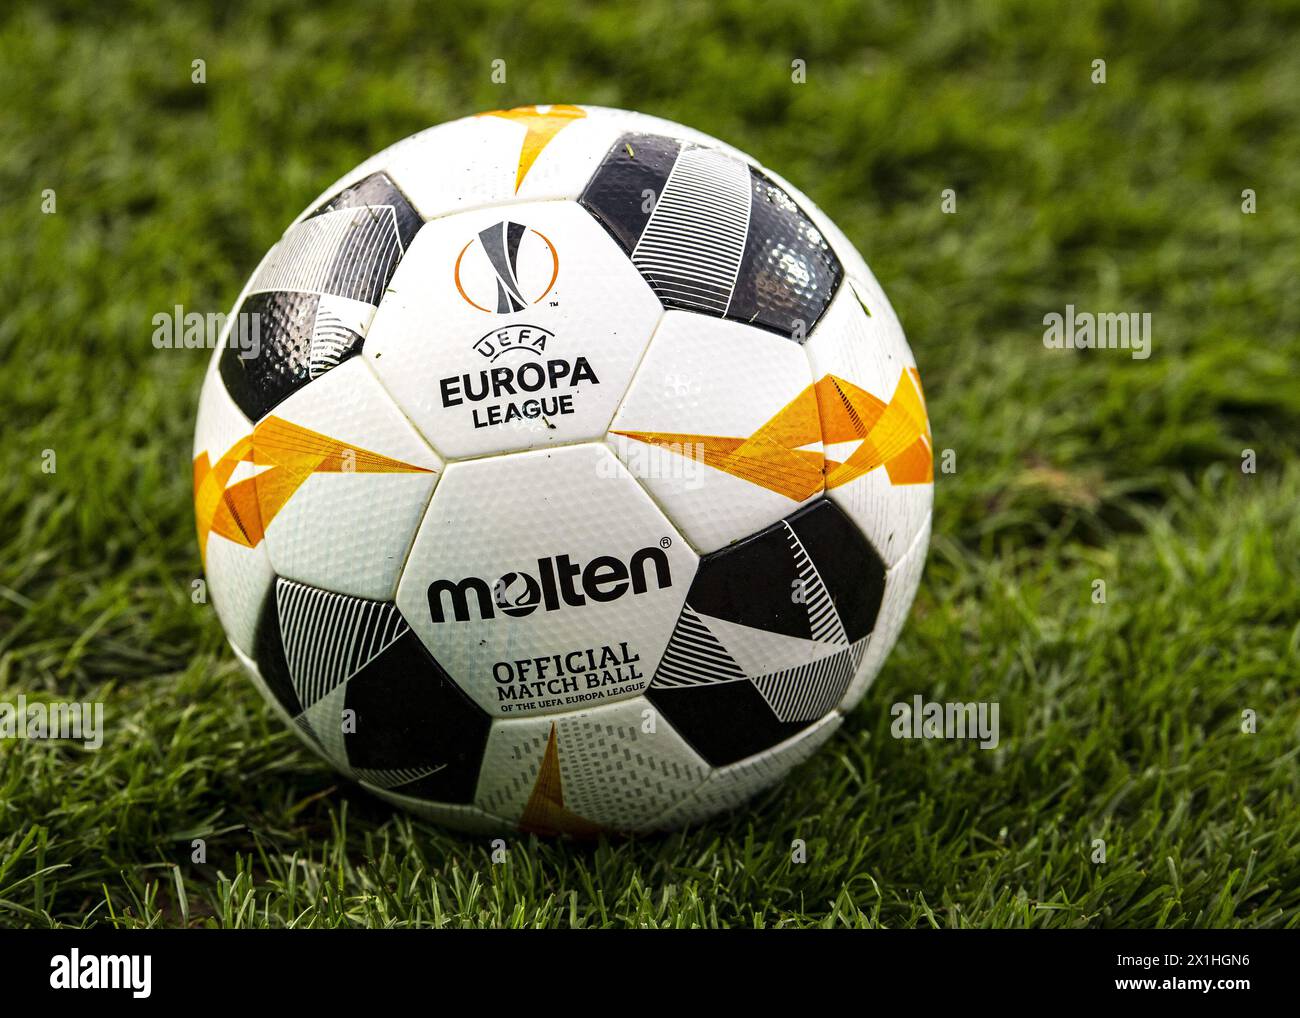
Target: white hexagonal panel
[721, 425]
[875, 429]
[545, 581]
[343, 483]
[512, 328]
[619, 767]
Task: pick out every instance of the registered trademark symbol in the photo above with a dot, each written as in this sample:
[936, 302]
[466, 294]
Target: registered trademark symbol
[665, 542]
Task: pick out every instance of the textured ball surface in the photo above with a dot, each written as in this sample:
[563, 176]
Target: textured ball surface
[563, 469]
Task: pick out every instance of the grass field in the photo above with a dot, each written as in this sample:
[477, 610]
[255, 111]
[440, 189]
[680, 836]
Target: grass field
[1121, 721]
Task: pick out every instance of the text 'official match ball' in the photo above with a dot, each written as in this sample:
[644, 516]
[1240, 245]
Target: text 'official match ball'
[563, 469]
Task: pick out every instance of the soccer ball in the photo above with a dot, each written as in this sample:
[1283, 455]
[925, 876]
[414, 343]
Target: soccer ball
[563, 469]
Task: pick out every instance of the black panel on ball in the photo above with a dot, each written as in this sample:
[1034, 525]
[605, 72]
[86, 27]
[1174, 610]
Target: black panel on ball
[750, 583]
[268, 655]
[711, 234]
[634, 171]
[814, 580]
[294, 325]
[410, 716]
[724, 722]
[789, 273]
[410, 729]
[261, 377]
[377, 191]
[848, 565]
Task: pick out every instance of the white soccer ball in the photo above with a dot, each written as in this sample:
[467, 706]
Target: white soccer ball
[563, 469]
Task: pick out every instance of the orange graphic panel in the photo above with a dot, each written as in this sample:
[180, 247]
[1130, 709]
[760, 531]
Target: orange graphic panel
[541, 129]
[287, 455]
[895, 435]
[833, 411]
[545, 812]
[771, 457]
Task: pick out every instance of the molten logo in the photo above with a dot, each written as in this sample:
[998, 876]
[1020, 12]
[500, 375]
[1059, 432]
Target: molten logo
[509, 265]
[559, 581]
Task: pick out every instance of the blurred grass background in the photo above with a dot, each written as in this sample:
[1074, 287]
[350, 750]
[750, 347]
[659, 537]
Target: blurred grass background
[1120, 721]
